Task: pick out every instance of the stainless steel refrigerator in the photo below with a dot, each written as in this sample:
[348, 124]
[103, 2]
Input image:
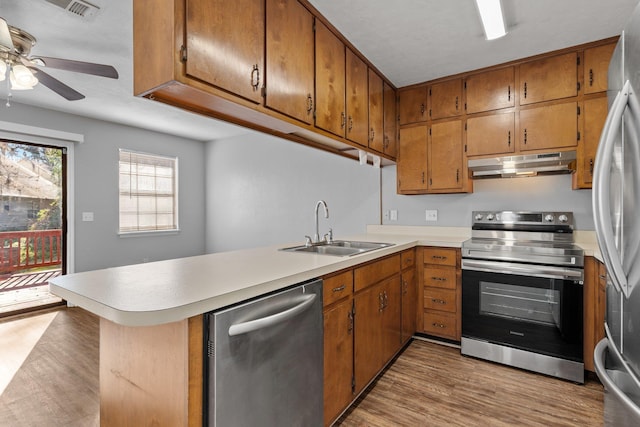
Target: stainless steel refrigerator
[616, 206]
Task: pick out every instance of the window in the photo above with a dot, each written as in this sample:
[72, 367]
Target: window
[148, 192]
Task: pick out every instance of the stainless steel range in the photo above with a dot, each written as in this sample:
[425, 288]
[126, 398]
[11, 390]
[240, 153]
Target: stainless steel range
[522, 280]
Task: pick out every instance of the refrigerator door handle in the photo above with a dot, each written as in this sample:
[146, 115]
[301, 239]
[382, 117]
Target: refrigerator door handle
[610, 385]
[265, 322]
[601, 183]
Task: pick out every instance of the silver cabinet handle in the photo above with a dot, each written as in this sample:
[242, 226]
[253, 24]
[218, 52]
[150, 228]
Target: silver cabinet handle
[265, 322]
[601, 183]
[598, 360]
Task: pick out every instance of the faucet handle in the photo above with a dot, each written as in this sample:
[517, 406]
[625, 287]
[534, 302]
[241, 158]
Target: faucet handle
[308, 241]
[329, 236]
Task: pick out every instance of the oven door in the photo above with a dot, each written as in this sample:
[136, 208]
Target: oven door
[528, 307]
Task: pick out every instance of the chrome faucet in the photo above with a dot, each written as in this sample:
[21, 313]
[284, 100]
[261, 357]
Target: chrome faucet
[316, 237]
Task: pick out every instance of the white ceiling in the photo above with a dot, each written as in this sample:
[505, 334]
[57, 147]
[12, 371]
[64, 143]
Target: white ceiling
[409, 41]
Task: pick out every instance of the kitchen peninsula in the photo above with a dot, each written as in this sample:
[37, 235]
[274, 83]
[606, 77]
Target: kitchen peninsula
[151, 327]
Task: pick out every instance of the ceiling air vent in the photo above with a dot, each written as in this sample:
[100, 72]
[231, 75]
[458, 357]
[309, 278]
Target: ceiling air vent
[76, 7]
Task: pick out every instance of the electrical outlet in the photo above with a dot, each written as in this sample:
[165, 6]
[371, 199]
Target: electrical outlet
[87, 216]
[394, 215]
[431, 215]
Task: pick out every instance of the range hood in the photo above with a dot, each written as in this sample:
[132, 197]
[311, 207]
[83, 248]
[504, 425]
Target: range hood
[521, 166]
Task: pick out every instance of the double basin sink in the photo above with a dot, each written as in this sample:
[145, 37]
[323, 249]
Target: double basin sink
[338, 247]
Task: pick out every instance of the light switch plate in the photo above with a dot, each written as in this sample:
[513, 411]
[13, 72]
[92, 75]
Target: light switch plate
[431, 215]
[394, 215]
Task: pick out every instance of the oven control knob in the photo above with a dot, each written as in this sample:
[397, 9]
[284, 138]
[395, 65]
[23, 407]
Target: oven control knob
[479, 217]
[563, 218]
[548, 218]
[490, 217]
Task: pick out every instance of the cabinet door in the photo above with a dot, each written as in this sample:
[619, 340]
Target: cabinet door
[289, 76]
[549, 127]
[390, 121]
[409, 304]
[368, 336]
[330, 81]
[490, 134]
[594, 115]
[412, 159]
[357, 100]
[391, 318]
[446, 99]
[413, 105]
[491, 90]
[376, 112]
[596, 66]
[227, 53]
[445, 156]
[549, 78]
[338, 359]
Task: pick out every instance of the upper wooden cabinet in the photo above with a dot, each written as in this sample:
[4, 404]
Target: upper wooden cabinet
[289, 77]
[390, 121]
[445, 164]
[227, 53]
[413, 105]
[550, 78]
[493, 134]
[549, 127]
[491, 90]
[594, 114]
[330, 81]
[412, 159]
[446, 99]
[357, 100]
[596, 66]
[376, 112]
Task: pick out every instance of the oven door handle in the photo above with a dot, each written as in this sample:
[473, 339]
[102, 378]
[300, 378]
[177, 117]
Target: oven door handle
[546, 271]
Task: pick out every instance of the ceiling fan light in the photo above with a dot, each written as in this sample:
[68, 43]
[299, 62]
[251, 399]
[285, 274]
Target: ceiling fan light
[492, 19]
[22, 78]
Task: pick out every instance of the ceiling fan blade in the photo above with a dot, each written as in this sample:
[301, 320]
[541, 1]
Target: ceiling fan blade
[5, 36]
[77, 66]
[56, 85]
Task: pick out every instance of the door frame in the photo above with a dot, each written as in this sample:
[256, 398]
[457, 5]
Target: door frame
[36, 135]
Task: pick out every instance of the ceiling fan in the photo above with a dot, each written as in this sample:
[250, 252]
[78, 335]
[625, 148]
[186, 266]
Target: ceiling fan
[25, 72]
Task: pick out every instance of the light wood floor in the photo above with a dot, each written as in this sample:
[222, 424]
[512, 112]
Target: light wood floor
[427, 385]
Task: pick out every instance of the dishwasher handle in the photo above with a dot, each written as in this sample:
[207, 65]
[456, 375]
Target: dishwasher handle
[265, 322]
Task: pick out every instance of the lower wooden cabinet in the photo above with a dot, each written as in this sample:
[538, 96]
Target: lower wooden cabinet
[440, 293]
[369, 313]
[594, 294]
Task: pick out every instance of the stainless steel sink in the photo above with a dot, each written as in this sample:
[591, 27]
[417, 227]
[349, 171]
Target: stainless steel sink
[338, 247]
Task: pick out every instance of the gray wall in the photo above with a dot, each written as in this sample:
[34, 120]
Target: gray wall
[262, 190]
[454, 210]
[97, 244]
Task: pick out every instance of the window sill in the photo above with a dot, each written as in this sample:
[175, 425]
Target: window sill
[148, 233]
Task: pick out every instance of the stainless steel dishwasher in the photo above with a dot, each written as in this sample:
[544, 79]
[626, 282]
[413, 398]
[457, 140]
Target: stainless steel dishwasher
[265, 360]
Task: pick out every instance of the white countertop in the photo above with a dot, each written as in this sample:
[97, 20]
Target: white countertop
[166, 291]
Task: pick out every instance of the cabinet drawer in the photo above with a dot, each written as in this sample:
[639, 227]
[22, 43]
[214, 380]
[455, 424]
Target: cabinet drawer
[408, 258]
[337, 287]
[440, 256]
[376, 272]
[440, 299]
[440, 323]
[440, 277]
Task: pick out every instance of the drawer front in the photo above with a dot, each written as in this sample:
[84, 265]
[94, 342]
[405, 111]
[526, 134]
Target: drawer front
[440, 277]
[440, 299]
[376, 272]
[440, 324]
[408, 258]
[440, 256]
[337, 287]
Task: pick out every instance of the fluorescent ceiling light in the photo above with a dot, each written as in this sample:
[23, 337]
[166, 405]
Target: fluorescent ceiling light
[492, 20]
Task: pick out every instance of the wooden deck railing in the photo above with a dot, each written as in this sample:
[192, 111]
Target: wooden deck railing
[23, 250]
